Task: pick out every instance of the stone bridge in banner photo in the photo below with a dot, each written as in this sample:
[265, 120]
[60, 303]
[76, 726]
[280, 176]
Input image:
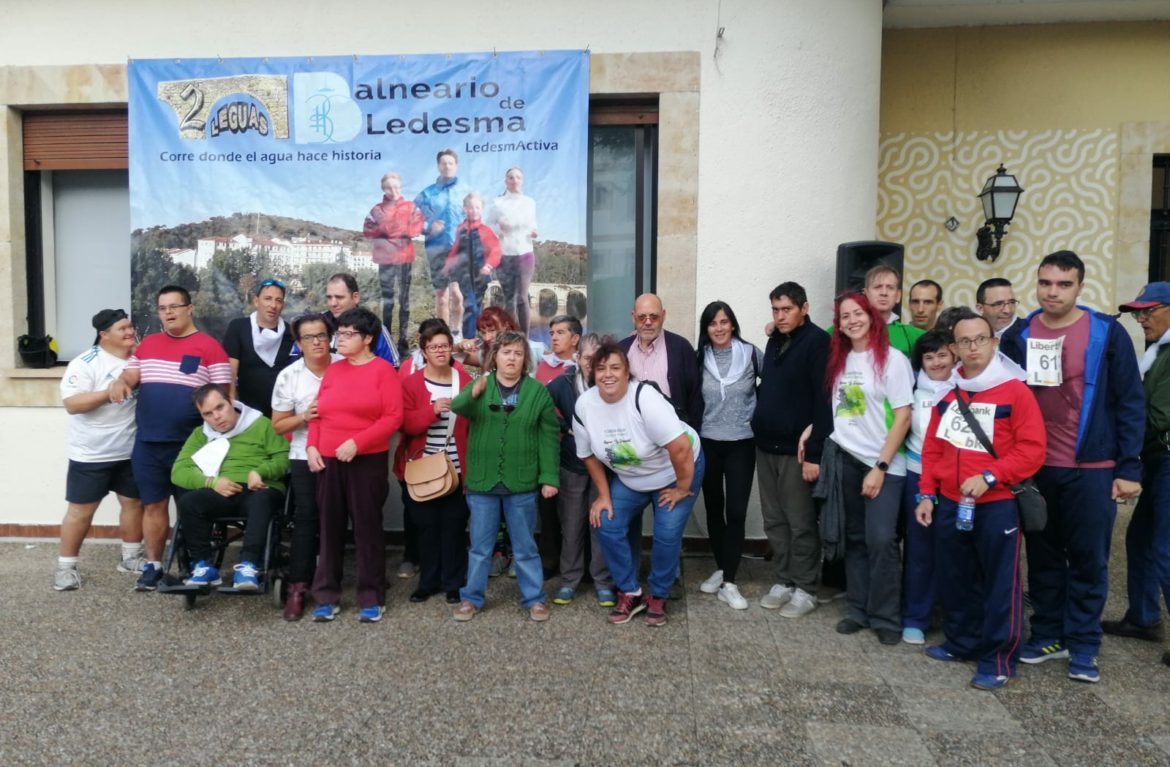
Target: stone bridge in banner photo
[547, 299]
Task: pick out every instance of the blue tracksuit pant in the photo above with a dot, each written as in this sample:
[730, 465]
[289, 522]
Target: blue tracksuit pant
[918, 588]
[979, 584]
[1068, 561]
[1147, 544]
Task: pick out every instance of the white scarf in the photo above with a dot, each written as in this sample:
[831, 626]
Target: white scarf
[936, 389]
[741, 357]
[1000, 369]
[211, 456]
[1147, 360]
[266, 341]
[553, 361]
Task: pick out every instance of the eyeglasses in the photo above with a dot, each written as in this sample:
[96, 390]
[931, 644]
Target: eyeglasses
[978, 342]
[171, 308]
[495, 408]
[438, 347]
[647, 317]
[315, 338]
[1011, 303]
[347, 334]
[1144, 314]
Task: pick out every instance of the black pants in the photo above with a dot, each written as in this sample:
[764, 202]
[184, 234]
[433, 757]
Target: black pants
[549, 542]
[442, 542]
[727, 483]
[198, 509]
[873, 563]
[302, 557]
[388, 276]
[409, 528]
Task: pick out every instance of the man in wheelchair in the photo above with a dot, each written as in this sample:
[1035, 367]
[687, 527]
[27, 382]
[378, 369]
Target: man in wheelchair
[234, 465]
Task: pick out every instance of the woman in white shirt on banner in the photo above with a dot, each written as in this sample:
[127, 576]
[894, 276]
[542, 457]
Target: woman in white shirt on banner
[513, 217]
[294, 405]
[871, 386]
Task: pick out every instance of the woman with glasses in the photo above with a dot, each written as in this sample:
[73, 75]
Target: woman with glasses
[429, 427]
[359, 407]
[259, 346]
[871, 387]
[512, 454]
[294, 407]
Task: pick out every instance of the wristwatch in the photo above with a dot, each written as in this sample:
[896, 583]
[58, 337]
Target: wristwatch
[989, 478]
[919, 498]
[882, 466]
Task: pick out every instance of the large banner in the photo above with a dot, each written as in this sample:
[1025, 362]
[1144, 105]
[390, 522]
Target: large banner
[426, 177]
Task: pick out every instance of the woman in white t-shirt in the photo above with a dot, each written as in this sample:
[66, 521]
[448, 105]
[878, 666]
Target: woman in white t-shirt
[871, 386]
[631, 429]
[513, 216]
[294, 405]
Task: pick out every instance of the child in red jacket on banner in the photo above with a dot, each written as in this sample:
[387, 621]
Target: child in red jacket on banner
[472, 260]
[391, 226]
[979, 564]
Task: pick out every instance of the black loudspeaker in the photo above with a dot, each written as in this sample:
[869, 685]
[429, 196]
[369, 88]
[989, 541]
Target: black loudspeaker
[854, 259]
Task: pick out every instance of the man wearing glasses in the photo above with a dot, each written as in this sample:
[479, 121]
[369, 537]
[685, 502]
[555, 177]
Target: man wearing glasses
[1081, 366]
[1147, 541]
[166, 368]
[996, 302]
[664, 358]
[259, 346]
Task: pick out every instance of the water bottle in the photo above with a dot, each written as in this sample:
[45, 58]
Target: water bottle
[965, 519]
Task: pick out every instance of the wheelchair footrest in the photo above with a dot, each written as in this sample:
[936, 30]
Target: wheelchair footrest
[178, 587]
[228, 589]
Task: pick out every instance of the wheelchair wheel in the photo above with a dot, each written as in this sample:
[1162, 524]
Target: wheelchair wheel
[278, 589]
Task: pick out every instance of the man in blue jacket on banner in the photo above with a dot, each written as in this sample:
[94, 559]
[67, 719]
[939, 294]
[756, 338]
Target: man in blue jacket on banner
[441, 205]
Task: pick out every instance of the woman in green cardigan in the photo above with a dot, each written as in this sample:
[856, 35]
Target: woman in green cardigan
[512, 452]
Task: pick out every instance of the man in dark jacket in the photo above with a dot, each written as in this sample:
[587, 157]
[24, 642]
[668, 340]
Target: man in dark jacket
[1081, 367]
[792, 396]
[665, 358]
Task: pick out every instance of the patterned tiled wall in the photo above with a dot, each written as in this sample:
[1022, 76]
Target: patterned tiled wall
[1070, 180]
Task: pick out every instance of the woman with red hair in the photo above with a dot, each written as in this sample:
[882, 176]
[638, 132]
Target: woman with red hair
[871, 386]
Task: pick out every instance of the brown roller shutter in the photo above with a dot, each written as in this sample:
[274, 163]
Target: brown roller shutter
[75, 140]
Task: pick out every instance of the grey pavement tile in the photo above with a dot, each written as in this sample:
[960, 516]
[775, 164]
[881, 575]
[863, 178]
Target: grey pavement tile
[1075, 751]
[1162, 742]
[1145, 713]
[1047, 715]
[857, 744]
[829, 667]
[975, 749]
[841, 703]
[933, 708]
[916, 669]
[726, 741]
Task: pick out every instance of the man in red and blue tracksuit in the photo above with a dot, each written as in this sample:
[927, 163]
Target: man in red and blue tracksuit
[1082, 368]
[978, 569]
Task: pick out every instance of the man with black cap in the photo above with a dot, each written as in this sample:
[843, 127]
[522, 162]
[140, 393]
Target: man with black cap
[1147, 541]
[101, 435]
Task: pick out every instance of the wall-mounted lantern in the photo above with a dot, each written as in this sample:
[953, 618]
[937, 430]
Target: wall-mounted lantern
[999, 197]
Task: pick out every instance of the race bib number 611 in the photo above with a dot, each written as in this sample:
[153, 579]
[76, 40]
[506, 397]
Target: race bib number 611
[1044, 361]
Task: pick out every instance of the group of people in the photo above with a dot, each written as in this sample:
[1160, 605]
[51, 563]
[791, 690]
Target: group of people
[889, 457]
[464, 249]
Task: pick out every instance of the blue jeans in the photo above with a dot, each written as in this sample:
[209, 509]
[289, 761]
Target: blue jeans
[622, 547]
[519, 510]
[918, 588]
[1147, 545]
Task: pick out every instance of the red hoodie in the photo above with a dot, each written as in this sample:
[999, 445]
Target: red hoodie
[419, 414]
[1019, 440]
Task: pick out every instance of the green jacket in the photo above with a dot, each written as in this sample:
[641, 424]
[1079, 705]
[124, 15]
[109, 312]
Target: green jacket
[257, 448]
[520, 449]
[1157, 386]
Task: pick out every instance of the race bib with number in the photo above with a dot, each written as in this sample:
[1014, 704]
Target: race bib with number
[1043, 362]
[953, 427]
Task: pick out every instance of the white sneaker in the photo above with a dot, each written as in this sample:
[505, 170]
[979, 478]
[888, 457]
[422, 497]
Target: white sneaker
[66, 579]
[729, 593]
[131, 565]
[801, 603]
[712, 584]
[777, 597]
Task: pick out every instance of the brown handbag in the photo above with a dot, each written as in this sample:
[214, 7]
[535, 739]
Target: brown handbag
[433, 476]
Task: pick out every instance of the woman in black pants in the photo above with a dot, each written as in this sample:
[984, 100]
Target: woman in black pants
[730, 366]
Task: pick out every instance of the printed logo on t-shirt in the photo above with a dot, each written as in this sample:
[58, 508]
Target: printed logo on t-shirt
[622, 455]
[850, 396]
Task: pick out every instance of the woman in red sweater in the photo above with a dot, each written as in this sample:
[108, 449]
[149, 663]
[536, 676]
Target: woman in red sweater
[359, 408]
[429, 427]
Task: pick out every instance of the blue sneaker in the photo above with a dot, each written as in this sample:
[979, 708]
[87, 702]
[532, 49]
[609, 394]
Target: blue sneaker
[606, 597]
[202, 574]
[246, 577]
[371, 614]
[325, 613]
[1083, 668]
[989, 682]
[150, 578]
[1040, 650]
[911, 635]
[938, 652]
[564, 596]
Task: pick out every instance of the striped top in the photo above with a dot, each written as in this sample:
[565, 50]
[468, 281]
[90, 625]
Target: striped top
[170, 369]
[437, 432]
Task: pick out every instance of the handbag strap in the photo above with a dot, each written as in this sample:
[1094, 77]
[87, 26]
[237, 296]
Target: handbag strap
[976, 429]
[450, 419]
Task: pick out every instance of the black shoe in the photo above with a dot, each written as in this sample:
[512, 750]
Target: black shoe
[420, 596]
[676, 591]
[848, 626]
[453, 597]
[888, 636]
[1166, 657]
[1123, 628]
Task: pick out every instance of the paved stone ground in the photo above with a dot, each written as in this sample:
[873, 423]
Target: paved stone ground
[106, 676]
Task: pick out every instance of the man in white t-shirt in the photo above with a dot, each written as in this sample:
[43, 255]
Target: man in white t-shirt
[101, 436]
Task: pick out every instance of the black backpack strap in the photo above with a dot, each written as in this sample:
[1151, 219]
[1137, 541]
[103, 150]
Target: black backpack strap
[976, 429]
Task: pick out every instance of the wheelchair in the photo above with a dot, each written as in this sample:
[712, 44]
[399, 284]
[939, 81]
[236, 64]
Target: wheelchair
[177, 564]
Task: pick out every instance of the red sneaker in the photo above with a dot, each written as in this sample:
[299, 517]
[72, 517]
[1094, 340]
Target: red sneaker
[655, 611]
[628, 605]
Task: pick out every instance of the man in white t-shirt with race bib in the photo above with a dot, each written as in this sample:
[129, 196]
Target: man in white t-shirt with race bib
[101, 436]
